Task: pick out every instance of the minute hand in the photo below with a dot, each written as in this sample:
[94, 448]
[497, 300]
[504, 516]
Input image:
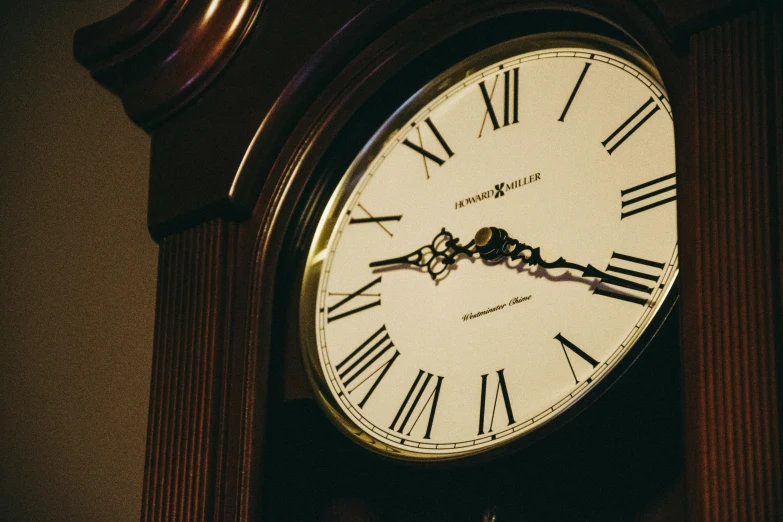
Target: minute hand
[436, 257]
[494, 244]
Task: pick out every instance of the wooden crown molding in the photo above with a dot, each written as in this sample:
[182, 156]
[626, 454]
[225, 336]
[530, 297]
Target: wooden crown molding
[157, 55]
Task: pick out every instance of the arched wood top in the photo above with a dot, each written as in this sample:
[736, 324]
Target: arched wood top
[157, 55]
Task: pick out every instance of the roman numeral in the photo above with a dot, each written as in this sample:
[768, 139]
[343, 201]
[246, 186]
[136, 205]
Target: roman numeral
[573, 93]
[625, 130]
[426, 154]
[500, 388]
[362, 363]
[510, 100]
[619, 267]
[646, 196]
[347, 298]
[408, 408]
[378, 220]
[565, 343]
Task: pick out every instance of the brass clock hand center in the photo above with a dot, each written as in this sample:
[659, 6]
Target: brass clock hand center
[483, 237]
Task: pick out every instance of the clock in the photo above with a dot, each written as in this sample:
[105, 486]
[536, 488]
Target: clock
[500, 249]
[258, 136]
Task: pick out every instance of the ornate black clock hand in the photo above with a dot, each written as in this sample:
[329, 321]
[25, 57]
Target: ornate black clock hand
[494, 244]
[436, 257]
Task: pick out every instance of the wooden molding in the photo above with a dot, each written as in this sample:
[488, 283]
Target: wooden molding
[730, 234]
[157, 55]
[187, 451]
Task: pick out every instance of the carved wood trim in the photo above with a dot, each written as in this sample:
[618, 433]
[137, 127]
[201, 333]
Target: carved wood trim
[157, 55]
[190, 373]
[730, 286]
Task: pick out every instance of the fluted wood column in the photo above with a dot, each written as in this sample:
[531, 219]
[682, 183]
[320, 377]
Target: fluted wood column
[187, 418]
[731, 290]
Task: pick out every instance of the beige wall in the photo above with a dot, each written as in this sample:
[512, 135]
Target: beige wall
[77, 277]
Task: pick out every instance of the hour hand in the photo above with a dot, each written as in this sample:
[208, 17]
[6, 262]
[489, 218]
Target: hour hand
[494, 244]
[436, 257]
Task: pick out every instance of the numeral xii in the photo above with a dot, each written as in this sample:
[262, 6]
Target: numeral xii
[510, 100]
[499, 389]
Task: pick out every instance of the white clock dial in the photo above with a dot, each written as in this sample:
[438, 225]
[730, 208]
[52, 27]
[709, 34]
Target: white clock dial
[570, 151]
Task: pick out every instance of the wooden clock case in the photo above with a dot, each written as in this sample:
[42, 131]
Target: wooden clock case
[252, 107]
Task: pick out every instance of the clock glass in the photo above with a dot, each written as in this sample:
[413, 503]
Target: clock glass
[503, 244]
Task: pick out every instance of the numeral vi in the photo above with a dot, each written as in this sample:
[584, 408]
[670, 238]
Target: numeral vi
[499, 389]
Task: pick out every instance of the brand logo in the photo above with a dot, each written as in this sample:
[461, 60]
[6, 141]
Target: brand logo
[514, 301]
[499, 191]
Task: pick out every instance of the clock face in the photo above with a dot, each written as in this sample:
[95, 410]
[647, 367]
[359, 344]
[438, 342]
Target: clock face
[429, 335]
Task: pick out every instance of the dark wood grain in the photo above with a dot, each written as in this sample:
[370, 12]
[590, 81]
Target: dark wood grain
[208, 140]
[730, 290]
[157, 56]
[187, 418]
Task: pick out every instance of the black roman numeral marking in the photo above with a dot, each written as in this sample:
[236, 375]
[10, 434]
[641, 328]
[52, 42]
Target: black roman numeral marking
[626, 284]
[409, 407]
[623, 132]
[500, 388]
[426, 154]
[378, 220]
[347, 298]
[573, 93]
[510, 100]
[565, 343]
[362, 363]
[648, 199]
